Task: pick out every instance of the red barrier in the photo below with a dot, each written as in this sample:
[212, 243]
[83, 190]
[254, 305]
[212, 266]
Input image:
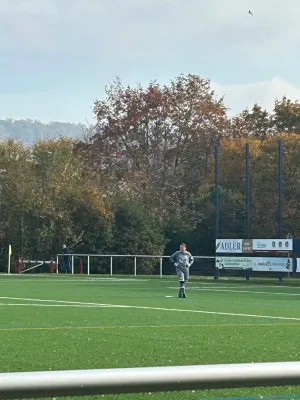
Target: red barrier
[52, 264]
[19, 265]
[81, 266]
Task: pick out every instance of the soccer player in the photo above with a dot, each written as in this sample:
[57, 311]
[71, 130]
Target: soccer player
[182, 260]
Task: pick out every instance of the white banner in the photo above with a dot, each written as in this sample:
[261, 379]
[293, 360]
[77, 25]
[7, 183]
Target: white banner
[234, 262]
[229, 245]
[272, 245]
[275, 264]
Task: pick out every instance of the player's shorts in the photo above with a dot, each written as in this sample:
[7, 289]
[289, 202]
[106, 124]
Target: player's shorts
[182, 273]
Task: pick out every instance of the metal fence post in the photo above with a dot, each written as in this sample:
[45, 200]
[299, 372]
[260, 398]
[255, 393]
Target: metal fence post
[57, 264]
[134, 266]
[88, 265]
[111, 265]
[72, 265]
[161, 267]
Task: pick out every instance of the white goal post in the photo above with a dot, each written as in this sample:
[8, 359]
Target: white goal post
[55, 384]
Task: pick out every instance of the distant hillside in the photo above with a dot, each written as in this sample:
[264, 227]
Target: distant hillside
[31, 130]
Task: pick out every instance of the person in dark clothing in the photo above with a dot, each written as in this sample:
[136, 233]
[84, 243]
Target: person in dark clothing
[66, 259]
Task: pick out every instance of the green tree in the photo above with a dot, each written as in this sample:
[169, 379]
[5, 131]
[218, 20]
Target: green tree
[287, 116]
[255, 123]
[137, 231]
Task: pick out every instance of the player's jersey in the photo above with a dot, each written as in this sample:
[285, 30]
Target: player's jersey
[183, 258]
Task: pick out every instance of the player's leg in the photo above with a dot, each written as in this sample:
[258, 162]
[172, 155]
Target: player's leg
[180, 275]
[186, 276]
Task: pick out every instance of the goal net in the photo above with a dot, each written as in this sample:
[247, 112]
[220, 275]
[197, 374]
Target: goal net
[37, 267]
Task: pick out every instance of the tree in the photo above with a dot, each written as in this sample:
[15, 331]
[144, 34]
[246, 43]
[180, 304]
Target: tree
[256, 123]
[154, 143]
[137, 231]
[287, 116]
[15, 188]
[264, 185]
[48, 198]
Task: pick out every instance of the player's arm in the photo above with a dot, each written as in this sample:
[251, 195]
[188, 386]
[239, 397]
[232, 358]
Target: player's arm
[173, 258]
[191, 259]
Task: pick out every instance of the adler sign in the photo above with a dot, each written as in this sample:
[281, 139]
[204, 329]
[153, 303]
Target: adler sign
[229, 245]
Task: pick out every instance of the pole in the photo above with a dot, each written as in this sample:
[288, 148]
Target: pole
[280, 188]
[161, 267]
[51, 265]
[217, 211]
[19, 265]
[88, 265]
[111, 265]
[81, 266]
[9, 259]
[18, 385]
[248, 210]
[134, 266]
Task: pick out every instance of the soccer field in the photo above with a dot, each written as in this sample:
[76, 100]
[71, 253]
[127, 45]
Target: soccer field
[78, 322]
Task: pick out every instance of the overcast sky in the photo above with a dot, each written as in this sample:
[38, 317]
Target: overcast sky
[56, 56]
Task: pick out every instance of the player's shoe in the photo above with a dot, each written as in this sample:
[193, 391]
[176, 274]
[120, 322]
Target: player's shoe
[184, 296]
[179, 295]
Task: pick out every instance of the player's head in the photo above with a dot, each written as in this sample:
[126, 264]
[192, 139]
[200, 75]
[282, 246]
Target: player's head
[183, 247]
[64, 246]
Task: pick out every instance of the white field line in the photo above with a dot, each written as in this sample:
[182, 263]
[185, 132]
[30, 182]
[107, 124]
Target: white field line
[156, 309]
[240, 291]
[57, 305]
[66, 278]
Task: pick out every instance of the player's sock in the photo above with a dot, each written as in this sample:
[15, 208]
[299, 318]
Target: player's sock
[181, 289]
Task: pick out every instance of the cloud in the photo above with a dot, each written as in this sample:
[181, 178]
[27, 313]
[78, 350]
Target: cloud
[84, 44]
[241, 96]
[157, 25]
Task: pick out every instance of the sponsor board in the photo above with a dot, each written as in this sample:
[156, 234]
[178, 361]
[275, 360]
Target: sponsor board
[261, 245]
[233, 246]
[247, 246]
[275, 264]
[234, 263]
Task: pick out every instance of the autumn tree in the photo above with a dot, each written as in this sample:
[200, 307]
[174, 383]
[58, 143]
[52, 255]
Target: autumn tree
[154, 143]
[264, 185]
[15, 187]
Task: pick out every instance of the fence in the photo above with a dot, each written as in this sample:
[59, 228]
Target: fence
[113, 264]
[86, 266]
[140, 380]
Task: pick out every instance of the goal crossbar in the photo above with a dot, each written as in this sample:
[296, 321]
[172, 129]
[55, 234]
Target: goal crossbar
[53, 384]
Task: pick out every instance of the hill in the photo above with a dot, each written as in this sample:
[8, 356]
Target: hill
[29, 131]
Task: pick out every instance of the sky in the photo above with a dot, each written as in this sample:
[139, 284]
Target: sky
[57, 56]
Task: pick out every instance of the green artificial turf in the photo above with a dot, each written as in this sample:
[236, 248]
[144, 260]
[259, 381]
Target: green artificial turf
[220, 324]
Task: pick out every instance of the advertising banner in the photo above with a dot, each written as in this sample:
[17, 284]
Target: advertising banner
[261, 245]
[234, 263]
[274, 264]
[233, 246]
[248, 246]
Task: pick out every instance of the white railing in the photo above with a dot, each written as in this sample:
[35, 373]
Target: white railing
[54, 384]
[113, 256]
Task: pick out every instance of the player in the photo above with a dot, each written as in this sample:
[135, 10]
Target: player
[182, 260]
